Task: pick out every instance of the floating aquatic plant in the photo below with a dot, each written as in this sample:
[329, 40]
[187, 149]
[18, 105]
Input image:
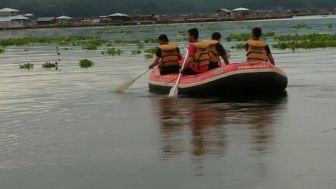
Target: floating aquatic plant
[149, 56]
[134, 52]
[308, 41]
[246, 36]
[27, 66]
[2, 50]
[114, 51]
[150, 40]
[90, 47]
[151, 50]
[85, 63]
[126, 41]
[140, 45]
[49, 65]
[299, 26]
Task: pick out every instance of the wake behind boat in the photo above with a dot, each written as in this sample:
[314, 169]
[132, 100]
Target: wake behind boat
[257, 77]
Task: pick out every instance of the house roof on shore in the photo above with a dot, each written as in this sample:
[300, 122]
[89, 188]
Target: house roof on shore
[6, 10]
[118, 15]
[10, 18]
[29, 15]
[224, 10]
[241, 9]
[63, 18]
[45, 19]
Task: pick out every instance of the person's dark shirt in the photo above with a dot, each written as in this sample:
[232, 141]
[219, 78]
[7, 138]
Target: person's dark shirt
[268, 50]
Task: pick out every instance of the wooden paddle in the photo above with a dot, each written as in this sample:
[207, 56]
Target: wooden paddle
[128, 83]
[174, 90]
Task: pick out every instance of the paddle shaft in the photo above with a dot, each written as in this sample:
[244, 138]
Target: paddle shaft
[126, 84]
[174, 90]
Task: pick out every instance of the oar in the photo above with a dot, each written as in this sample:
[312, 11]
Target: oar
[174, 90]
[128, 83]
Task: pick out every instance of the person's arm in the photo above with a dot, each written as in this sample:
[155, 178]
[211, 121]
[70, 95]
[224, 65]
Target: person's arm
[269, 55]
[156, 60]
[271, 59]
[179, 54]
[222, 53]
[226, 60]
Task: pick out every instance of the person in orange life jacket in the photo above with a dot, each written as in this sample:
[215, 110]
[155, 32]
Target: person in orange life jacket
[257, 50]
[216, 50]
[167, 57]
[198, 55]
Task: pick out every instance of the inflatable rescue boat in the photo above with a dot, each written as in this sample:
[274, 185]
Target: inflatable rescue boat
[242, 78]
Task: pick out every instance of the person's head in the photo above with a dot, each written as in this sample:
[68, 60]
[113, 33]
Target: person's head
[163, 39]
[256, 32]
[193, 35]
[216, 36]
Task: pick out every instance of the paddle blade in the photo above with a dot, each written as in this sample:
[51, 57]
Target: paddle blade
[173, 91]
[124, 86]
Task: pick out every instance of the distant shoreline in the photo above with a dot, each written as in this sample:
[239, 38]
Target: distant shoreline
[173, 21]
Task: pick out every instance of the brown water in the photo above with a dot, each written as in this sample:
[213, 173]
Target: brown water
[68, 129]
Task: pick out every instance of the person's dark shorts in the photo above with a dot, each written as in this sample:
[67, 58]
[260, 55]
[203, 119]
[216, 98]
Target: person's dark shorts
[169, 69]
[189, 71]
[213, 65]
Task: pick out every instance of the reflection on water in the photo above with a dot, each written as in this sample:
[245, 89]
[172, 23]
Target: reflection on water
[199, 126]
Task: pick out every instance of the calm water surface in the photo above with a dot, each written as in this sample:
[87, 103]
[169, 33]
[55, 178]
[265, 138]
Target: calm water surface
[67, 129]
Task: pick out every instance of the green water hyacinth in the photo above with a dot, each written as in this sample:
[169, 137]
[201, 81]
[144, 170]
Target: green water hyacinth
[2, 50]
[114, 51]
[246, 36]
[151, 50]
[49, 65]
[299, 26]
[65, 41]
[27, 66]
[85, 63]
[134, 52]
[150, 40]
[126, 41]
[309, 41]
[149, 56]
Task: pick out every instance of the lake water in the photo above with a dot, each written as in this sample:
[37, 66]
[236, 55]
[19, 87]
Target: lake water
[67, 129]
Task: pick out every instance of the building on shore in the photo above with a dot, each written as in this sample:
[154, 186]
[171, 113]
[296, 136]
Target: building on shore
[9, 19]
[116, 18]
[46, 21]
[224, 13]
[90, 22]
[8, 12]
[14, 22]
[63, 20]
[241, 12]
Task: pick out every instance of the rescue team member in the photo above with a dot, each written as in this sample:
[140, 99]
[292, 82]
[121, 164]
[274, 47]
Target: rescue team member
[258, 50]
[198, 55]
[167, 56]
[216, 50]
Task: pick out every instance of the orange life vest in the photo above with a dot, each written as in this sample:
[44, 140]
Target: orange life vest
[169, 55]
[213, 53]
[201, 57]
[256, 51]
